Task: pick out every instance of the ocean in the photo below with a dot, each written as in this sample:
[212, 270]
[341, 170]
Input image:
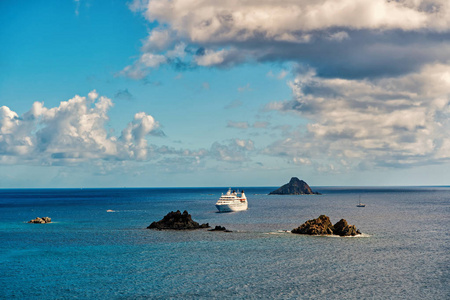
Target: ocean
[90, 253]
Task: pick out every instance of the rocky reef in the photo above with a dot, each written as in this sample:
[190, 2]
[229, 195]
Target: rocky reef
[294, 187]
[178, 221]
[41, 220]
[323, 226]
[219, 228]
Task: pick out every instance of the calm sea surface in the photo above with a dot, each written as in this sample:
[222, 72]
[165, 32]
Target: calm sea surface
[91, 253]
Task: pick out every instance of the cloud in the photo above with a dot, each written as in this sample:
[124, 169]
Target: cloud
[339, 36]
[205, 85]
[75, 134]
[346, 38]
[210, 58]
[234, 104]
[244, 88]
[146, 81]
[236, 150]
[71, 133]
[241, 125]
[123, 95]
[77, 7]
[245, 125]
[396, 121]
[261, 124]
[242, 20]
[281, 75]
[134, 135]
[142, 67]
[371, 77]
[158, 39]
[152, 60]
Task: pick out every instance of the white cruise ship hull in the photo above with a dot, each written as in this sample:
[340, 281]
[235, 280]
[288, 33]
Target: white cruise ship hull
[229, 207]
[231, 201]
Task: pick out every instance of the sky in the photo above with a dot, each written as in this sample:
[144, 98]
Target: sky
[196, 93]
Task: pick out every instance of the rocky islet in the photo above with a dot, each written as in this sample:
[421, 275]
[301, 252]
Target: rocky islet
[43, 220]
[323, 226]
[177, 221]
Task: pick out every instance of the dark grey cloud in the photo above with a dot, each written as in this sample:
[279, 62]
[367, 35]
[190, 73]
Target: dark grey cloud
[367, 54]
[123, 95]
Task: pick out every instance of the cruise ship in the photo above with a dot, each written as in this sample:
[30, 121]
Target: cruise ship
[232, 201]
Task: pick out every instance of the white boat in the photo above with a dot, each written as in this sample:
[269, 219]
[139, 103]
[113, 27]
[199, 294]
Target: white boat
[232, 201]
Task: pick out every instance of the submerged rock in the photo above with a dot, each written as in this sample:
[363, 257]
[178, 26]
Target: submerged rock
[41, 220]
[294, 187]
[220, 228]
[177, 220]
[323, 226]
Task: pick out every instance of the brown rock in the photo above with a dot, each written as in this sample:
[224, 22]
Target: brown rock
[323, 226]
[343, 229]
[319, 226]
[41, 220]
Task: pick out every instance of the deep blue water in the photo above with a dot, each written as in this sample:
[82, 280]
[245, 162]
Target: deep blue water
[91, 253]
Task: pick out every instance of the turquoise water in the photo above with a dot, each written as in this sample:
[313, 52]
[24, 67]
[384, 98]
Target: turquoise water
[91, 253]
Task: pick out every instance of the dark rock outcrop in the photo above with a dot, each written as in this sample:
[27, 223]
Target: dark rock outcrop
[323, 226]
[41, 220]
[178, 221]
[219, 228]
[294, 187]
[343, 229]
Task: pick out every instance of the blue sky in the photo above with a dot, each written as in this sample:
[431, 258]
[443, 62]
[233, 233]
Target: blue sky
[240, 93]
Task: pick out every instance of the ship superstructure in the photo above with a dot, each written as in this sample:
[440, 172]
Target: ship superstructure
[232, 201]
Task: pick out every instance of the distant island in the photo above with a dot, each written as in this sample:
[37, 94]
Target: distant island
[294, 187]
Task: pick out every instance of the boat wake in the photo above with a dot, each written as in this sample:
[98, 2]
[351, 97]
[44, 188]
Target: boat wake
[362, 235]
[279, 232]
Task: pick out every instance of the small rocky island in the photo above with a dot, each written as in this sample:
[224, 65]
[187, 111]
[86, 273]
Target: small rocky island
[43, 220]
[294, 187]
[178, 221]
[323, 226]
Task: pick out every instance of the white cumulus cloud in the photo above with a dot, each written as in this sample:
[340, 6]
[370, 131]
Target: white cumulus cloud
[73, 132]
[398, 121]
